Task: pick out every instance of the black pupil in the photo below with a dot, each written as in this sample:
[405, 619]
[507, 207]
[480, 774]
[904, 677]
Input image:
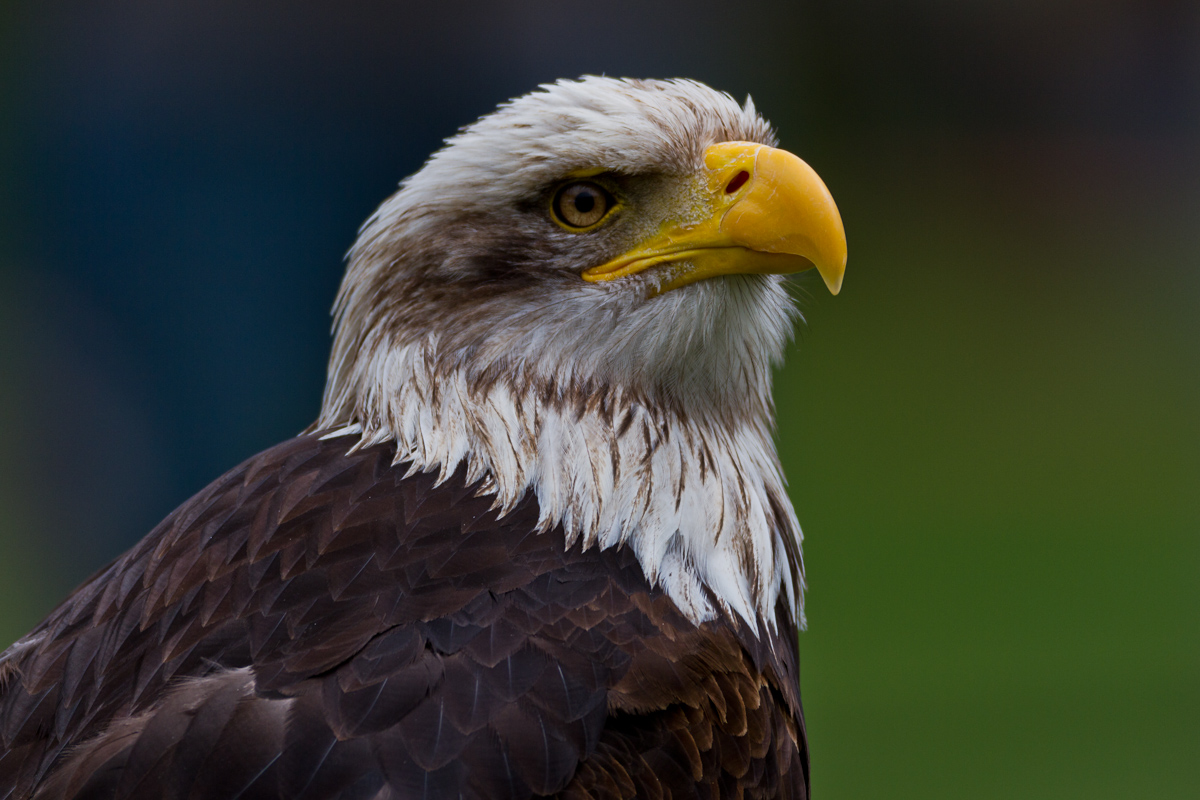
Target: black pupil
[585, 201]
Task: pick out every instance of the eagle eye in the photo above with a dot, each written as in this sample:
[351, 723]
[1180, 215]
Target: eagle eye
[581, 205]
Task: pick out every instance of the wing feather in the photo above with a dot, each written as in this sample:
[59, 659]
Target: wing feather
[316, 625]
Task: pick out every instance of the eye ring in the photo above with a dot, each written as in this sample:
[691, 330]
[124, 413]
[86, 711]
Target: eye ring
[581, 206]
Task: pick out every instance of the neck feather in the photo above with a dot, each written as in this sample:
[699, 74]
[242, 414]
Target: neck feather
[700, 501]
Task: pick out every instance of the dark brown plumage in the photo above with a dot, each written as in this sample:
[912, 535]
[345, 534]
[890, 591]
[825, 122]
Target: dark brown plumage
[315, 625]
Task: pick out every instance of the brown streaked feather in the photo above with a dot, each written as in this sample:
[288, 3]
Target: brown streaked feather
[315, 625]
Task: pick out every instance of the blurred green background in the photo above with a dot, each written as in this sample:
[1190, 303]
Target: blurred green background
[991, 434]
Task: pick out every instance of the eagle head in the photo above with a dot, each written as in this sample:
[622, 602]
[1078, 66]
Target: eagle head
[582, 295]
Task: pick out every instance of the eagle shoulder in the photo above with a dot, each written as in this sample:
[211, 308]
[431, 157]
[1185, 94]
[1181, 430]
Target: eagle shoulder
[317, 623]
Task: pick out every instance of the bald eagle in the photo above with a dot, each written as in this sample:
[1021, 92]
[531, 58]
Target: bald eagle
[537, 542]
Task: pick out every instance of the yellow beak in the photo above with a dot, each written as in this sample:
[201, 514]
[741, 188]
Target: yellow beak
[768, 212]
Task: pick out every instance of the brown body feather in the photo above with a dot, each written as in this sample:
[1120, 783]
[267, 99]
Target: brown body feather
[315, 625]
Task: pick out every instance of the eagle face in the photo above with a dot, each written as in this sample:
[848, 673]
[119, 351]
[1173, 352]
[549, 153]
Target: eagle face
[571, 238]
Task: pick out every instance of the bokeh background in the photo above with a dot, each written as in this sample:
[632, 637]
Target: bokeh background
[991, 434]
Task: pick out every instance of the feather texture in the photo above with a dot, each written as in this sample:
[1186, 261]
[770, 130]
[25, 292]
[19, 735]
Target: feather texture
[329, 628]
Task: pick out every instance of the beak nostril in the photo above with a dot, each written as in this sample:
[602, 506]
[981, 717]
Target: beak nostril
[738, 182]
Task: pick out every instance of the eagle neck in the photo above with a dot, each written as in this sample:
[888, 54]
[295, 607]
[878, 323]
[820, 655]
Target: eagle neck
[700, 501]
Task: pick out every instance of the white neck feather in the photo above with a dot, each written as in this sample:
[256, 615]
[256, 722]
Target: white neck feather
[702, 506]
